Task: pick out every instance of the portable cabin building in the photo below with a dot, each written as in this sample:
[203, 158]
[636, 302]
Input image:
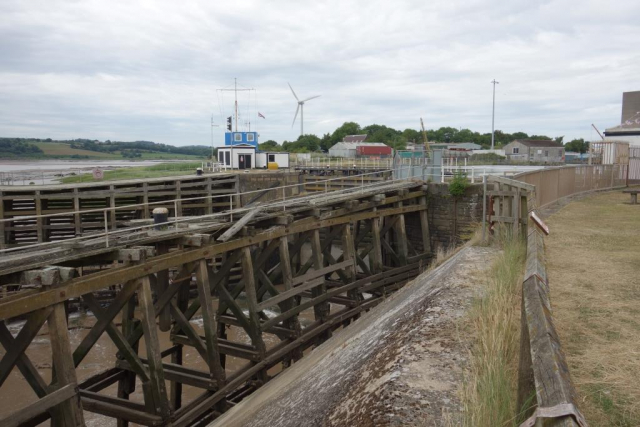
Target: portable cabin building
[244, 138]
[241, 156]
[263, 158]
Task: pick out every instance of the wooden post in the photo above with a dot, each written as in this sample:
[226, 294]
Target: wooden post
[2, 224]
[323, 309]
[39, 221]
[209, 200]
[349, 254]
[160, 404]
[145, 200]
[162, 283]
[112, 204]
[424, 226]
[70, 411]
[209, 322]
[252, 303]
[287, 279]
[375, 256]
[178, 196]
[77, 219]
[127, 385]
[401, 237]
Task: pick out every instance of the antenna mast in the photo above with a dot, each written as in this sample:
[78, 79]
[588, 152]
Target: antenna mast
[235, 90]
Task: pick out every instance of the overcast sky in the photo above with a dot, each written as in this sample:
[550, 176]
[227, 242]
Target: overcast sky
[131, 70]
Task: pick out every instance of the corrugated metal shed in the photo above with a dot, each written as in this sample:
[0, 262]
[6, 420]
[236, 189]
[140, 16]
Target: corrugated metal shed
[349, 149]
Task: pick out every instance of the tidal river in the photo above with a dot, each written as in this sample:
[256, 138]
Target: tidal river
[23, 172]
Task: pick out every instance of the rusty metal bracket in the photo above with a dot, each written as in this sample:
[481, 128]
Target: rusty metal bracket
[558, 411]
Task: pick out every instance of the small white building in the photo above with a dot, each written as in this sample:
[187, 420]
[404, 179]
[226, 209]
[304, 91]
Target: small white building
[263, 158]
[240, 156]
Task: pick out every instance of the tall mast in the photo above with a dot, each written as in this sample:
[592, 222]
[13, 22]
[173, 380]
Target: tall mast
[235, 89]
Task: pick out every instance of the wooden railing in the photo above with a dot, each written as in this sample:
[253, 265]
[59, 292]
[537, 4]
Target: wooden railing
[545, 390]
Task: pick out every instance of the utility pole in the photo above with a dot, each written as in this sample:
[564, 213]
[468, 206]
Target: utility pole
[493, 114]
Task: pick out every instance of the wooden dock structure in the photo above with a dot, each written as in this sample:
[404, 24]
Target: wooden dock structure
[329, 255]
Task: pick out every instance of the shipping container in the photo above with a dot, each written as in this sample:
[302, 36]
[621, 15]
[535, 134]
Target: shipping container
[373, 150]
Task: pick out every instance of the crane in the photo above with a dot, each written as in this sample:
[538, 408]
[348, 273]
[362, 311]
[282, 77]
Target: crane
[424, 136]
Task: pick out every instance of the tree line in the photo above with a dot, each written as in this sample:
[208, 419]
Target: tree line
[398, 139]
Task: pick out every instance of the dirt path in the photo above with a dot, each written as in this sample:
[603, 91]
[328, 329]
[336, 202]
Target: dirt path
[399, 365]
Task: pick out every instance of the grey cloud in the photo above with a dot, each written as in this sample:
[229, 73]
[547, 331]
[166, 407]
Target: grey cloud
[150, 70]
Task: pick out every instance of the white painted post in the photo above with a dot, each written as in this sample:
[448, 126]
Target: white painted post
[472, 177]
[442, 178]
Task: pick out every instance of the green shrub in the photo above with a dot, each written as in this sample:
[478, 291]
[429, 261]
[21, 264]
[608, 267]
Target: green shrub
[459, 184]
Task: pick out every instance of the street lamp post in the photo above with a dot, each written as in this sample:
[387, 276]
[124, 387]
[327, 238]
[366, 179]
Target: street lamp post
[493, 114]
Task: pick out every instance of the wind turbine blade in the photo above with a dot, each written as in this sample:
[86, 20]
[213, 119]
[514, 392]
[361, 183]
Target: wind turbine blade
[294, 94]
[309, 99]
[295, 116]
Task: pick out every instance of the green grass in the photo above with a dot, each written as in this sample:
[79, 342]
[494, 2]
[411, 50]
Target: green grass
[490, 392]
[155, 171]
[61, 150]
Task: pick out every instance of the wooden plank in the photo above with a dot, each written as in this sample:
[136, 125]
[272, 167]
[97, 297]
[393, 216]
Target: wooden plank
[119, 411]
[285, 295]
[237, 226]
[42, 405]
[511, 182]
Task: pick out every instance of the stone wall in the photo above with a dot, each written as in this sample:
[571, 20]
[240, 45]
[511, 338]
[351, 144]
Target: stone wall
[263, 180]
[452, 220]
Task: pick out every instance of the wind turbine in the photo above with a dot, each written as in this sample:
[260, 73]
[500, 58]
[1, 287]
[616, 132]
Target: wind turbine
[301, 108]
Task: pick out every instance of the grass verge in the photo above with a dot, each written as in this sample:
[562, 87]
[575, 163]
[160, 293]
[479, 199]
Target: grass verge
[155, 171]
[593, 264]
[490, 387]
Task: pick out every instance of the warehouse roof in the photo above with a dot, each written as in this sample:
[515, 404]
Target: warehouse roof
[539, 143]
[630, 125]
[343, 145]
[354, 138]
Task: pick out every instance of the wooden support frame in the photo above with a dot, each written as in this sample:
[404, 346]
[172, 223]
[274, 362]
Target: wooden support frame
[268, 267]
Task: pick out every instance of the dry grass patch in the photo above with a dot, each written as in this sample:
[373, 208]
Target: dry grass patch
[489, 392]
[593, 262]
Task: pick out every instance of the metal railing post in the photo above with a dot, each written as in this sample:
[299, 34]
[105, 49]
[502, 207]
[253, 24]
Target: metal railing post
[284, 200]
[175, 212]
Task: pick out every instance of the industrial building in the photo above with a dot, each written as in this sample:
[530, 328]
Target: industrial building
[627, 131]
[539, 151]
[354, 150]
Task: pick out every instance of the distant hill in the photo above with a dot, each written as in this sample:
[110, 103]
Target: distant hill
[33, 148]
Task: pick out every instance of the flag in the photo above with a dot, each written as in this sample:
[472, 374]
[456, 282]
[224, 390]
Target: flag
[261, 115]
